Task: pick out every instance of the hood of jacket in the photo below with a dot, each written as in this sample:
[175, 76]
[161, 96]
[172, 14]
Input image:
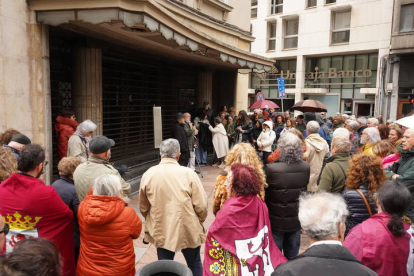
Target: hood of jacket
[98, 210]
[407, 154]
[316, 141]
[339, 157]
[62, 122]
[269, 124]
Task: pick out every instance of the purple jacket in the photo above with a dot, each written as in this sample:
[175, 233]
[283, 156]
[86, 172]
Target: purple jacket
[377, 248]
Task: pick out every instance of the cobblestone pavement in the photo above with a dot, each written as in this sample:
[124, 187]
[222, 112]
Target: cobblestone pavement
[146, 253]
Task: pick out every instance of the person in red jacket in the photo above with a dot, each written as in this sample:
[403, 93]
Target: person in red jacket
[32, 209]
[65, 126]
[107, 227]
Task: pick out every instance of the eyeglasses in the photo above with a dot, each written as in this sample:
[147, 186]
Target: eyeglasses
[5, 230]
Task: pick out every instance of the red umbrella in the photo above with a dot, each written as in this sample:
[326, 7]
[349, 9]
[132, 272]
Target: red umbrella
[264, 104]
[310, 106]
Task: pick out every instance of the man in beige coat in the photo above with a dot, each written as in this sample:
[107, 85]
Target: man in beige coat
[174, 205]
[316, 148]
[98, 164]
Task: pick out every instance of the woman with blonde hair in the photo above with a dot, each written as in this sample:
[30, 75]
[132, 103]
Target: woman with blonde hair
[387, 151]
[245, 154]
[8, 163]
[364, 178]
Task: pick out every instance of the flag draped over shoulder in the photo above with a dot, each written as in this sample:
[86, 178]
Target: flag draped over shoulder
[240, 241]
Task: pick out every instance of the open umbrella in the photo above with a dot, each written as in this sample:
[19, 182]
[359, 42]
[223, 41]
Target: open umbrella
[264, 104]
[406, 121]
[310, 106]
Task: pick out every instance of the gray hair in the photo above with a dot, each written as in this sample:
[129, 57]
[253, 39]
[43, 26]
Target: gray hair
[169, 148]
[218, 120]
[362, 121]
[86, 126]
[290, 147]
[320, 214]
[373, 120]
[313, 127]
[108, 185]
[341, 144]
[353, 124]
[341, 132]
[373, 134]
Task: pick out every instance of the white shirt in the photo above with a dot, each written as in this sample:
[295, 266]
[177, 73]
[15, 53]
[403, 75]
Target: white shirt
[326, 242]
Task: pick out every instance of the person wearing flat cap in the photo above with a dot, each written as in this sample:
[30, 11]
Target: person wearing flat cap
[98, 164]
[206, 109]
[17, 143]
[178, 133]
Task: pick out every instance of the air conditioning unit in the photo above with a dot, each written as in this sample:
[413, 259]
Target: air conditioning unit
[251, 91]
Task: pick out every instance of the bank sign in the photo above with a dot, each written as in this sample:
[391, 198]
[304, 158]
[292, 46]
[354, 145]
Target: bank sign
[332, 73]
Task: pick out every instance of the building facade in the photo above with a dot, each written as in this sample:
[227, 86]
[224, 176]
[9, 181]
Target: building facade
[401, 61]
[112, 61]
[328, 50]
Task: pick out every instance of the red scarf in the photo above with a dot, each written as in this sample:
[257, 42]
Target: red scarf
[240, 241]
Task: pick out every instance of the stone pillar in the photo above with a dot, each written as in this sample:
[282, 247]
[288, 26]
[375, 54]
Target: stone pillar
[242, 90]
[394, 96]
[87, 86]
[300, 79]
[204, 88]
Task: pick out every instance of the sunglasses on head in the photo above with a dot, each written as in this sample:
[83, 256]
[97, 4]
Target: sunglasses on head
[5, 230]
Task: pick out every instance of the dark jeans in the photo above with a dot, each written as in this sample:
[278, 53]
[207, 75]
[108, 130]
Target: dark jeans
[289, 242]
[265, 156]
[191, 255]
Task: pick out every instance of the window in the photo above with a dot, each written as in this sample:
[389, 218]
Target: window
[272, 36]
[276, 6]
[291, 34]
[330, 1]
[253, 13]
[407, 18]
[311, 3]
[341, 27]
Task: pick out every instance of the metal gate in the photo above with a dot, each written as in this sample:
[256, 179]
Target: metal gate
[60, 85]
[130, 90]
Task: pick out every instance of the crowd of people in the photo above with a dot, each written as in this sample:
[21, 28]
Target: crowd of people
[344, 182]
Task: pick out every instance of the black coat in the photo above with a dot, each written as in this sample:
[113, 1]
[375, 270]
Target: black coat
[65, 187]
[179, 134]
[358, 211]
[247, 135]
[286, 183]
[324, 259]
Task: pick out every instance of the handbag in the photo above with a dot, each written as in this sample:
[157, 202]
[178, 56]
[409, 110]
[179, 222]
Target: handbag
[366, 202]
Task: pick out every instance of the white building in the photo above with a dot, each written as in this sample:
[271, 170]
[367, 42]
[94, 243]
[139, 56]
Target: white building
[328, 50]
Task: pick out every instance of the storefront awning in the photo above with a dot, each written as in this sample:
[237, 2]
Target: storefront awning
[146, 25]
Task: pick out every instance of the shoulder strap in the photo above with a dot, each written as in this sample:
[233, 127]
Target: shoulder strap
[342, 169]
[366, 202]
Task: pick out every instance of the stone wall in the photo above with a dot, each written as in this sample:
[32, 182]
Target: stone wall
[21, 71]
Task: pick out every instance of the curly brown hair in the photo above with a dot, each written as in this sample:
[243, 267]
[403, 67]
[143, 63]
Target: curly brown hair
[365, 169]
[6, 137]
[68, 165]
[8, 163]
[281, 116]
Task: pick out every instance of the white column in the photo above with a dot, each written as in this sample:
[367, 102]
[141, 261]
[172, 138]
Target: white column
[242, 95]
[394, 96]
[300, 78]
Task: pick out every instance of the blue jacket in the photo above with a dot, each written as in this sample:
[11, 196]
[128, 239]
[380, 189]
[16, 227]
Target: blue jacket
[65, 187]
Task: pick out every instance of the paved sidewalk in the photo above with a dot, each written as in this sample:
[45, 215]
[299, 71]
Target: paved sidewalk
[147, 253]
